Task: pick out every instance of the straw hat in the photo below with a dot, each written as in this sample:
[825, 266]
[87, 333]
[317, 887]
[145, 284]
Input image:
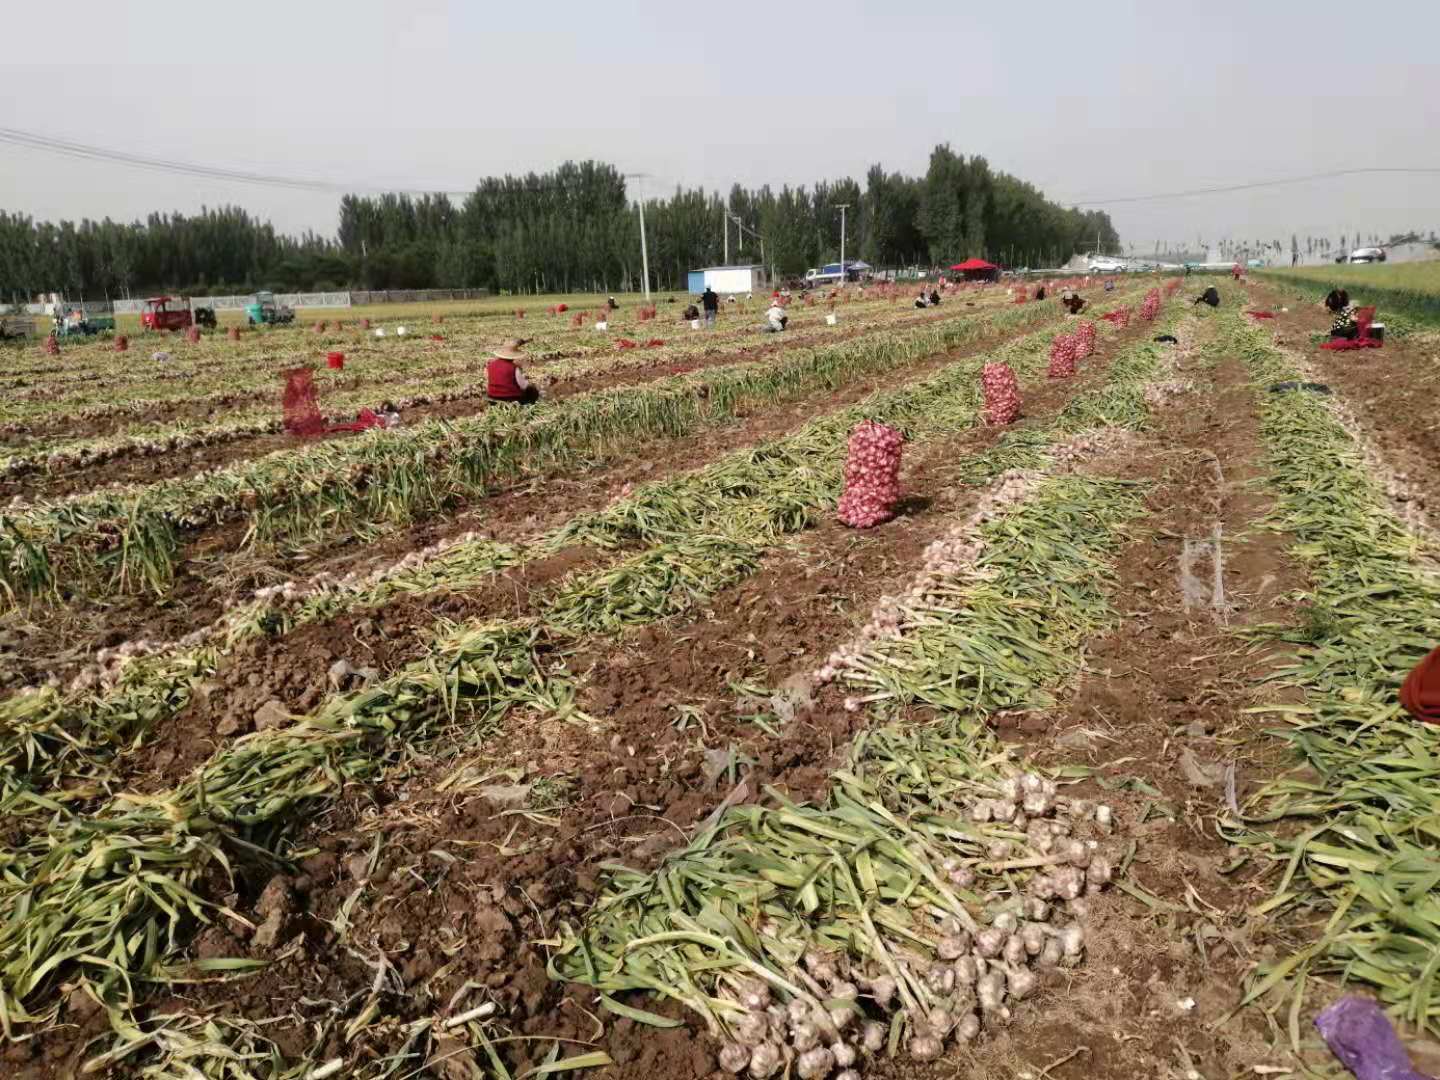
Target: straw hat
[510, 350]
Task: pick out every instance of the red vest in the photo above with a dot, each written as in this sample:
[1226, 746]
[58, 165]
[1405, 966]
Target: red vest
[500, 379]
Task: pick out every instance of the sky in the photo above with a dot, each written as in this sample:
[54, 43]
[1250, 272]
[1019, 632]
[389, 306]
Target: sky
[1093, 101]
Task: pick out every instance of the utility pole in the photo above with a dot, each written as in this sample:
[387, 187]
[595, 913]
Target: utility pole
[644, 249]
[842, 207]
[725, 224]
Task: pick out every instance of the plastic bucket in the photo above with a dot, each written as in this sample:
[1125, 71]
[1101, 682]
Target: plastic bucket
[831, 319]
[602, 325]
[335, 360]
[694, 324]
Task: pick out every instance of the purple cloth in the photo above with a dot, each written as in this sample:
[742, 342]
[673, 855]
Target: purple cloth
[1359, 1034]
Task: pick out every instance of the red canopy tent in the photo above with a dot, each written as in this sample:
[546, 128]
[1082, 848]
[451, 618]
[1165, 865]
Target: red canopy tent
[977, 270]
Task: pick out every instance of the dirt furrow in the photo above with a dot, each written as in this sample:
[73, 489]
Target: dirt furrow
[1160, 718]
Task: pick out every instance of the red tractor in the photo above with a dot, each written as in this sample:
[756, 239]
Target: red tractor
[158, 315]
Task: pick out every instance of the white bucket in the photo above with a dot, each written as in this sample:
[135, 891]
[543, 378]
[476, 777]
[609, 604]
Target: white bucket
[694, 324]
[602, 325]
[379, 332]
[400, 330]
[831, 319]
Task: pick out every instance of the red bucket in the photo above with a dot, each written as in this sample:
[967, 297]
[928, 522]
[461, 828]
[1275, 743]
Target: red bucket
[335, 360]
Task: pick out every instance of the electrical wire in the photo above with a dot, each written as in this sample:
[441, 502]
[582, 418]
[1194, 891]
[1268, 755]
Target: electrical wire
[1252, 185]
[85, 152]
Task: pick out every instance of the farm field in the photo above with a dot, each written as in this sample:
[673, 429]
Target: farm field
[489, 307]
[585, 740]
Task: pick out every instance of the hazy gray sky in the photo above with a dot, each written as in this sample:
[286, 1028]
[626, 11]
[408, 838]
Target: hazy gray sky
[1087, 100]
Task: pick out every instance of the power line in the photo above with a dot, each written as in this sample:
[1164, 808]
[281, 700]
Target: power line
[85, 152]
[1251, 185]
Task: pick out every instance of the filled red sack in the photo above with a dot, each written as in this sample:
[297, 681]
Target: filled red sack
[872, 475]
[301, 414]
[1002, 394]
[1420, 693]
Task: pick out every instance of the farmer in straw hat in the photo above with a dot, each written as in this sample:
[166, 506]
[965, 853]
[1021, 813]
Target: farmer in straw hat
[505, 382]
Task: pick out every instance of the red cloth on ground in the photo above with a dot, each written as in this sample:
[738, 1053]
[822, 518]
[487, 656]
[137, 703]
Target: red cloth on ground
[1261, 314]
[500, 380]
[1420, 693]
[364, 421]
[1345, 344]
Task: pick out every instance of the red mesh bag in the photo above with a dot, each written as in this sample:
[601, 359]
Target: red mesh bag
[52, 346]
[302, 415]
[872, 475]
[626, 343]
[1002, 394]
[335, 360]
[233, 333]
[122, 343]
[1063, 351]
[192, 334]
[654, 343]
[364, 324]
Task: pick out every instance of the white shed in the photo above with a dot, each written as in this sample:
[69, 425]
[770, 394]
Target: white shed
[729, 279]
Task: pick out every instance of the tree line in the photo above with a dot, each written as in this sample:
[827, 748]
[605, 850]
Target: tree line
[573, 229]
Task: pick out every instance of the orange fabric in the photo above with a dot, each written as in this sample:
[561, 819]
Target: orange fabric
[1420, 693]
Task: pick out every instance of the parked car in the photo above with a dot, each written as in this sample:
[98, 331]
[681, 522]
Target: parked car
[1102, 264]
[1367, 255]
